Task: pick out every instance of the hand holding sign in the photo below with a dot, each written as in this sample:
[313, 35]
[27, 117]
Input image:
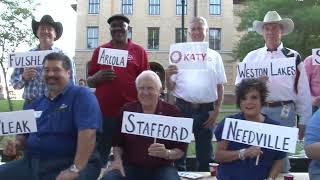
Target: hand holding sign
[29, 73]
[10, 148]
[105, 75]
[253, 152]
[157, 150]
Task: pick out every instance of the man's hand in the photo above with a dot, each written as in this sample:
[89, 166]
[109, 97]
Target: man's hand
[29, 73]
[301, 131]
[172, 69]
[213, 115]
[158, 150]
[11, 149]
[116, 164]
[316, 101]
[252, 152]
[104, 75]
[67, 175]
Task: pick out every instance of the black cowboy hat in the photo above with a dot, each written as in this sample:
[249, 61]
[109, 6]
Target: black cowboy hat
[118, 16]
[47, 19]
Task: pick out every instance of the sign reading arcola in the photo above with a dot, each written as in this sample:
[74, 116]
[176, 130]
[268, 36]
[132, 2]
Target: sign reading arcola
[17, 122]
[113, 57]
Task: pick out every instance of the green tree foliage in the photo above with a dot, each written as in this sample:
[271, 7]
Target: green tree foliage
[304, 13]
[15, 29]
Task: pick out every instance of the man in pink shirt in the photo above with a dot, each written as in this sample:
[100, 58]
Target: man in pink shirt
[313, 73]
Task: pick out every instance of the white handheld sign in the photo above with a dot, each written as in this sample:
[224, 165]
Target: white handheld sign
[113, 57]
[27, 59]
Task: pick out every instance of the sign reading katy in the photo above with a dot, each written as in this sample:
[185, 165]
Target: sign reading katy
[27, 59]
[17, 122]
[113, 57]
[190, 55]
[281, 67]
[316, 56]
[269, 136]
[157, 126]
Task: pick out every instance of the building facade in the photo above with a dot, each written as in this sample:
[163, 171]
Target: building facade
[155, 24]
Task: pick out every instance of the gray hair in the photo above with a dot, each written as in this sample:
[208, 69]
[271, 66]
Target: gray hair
[201, 20]
[151, 74]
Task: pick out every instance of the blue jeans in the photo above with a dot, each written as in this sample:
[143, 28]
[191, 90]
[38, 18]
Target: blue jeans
[30, 168]
[274, 113]
[142, 173]
[104, 138]
[203, 136]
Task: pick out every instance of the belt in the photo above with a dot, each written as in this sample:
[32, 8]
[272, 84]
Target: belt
[194, 105]
[278, 103]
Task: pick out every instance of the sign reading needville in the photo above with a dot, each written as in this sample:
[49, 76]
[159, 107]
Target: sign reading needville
[271, 68]
[190, 55]
[113, 57]
[17, 122]
[157, 126]
[261, 134]
[316, 56]
[27, 59]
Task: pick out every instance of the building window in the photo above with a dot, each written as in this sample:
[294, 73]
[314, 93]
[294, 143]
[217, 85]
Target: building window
[129, 32]
[94, 6]
[215, 38]
[92, 37]
[153, 38]
[178, 34]
[127, 7]
[154, 7]
[215, 7]
[179, 7]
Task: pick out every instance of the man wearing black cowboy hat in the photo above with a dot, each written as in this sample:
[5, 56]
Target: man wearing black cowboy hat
[115, 85]
[47, 31]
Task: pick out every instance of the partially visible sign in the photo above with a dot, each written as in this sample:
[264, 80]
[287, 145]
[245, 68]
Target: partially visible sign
[316, 56]
[113, 57]
[157, 126]
[27, 59]
[18, 122]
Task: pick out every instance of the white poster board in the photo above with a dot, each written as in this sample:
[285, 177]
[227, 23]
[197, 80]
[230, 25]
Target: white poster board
[264, 135]
[157, 126]
[113, 57]
[274, 67]
[316, 56]
[27, 59]
[190, 55]
[17, 122]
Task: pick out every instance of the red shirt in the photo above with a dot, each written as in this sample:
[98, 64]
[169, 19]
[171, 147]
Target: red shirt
[135, 148]
[112, 95]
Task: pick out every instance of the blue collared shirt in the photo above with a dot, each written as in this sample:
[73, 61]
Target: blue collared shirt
[35, 87]
[73, 110]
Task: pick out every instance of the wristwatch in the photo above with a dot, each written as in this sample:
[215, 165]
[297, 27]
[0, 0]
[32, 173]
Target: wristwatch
[73, 168]
[241, 154]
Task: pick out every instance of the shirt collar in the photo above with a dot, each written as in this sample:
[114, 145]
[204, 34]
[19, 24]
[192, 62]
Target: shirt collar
[279, 48]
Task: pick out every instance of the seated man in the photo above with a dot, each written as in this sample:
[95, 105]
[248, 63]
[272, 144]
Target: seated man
[67, 119]
[139, 157]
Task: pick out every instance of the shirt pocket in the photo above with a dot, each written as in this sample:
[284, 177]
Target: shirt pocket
[62, 122]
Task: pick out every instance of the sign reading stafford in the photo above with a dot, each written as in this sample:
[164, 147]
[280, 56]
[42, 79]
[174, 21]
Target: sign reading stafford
[157, 126]
[113, 57]
[27, 59]
[264, 135]
[190, 55]
[316, 56]
[17, 122]
[283, 67]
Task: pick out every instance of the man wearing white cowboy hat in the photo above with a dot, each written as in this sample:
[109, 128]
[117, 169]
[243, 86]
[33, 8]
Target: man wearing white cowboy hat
[47, 31]
[284, 100]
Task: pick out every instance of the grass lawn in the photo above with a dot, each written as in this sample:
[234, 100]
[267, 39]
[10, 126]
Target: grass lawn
[17, 105]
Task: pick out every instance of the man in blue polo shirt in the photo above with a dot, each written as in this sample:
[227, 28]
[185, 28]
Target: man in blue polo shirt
[68, 117]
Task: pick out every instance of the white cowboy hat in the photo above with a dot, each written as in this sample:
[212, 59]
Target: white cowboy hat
[273, 17]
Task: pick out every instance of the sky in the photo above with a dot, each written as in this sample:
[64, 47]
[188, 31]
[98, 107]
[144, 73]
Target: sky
[61, 11]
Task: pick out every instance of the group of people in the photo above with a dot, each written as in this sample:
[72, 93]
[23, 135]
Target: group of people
[76, 129]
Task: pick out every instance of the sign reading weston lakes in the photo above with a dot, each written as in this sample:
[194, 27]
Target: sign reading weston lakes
[27, 59]
[273, 67]
[157, 126]
[113, 57]
[17, 122]
[316, 56]
[190, 55]
[269, 136]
